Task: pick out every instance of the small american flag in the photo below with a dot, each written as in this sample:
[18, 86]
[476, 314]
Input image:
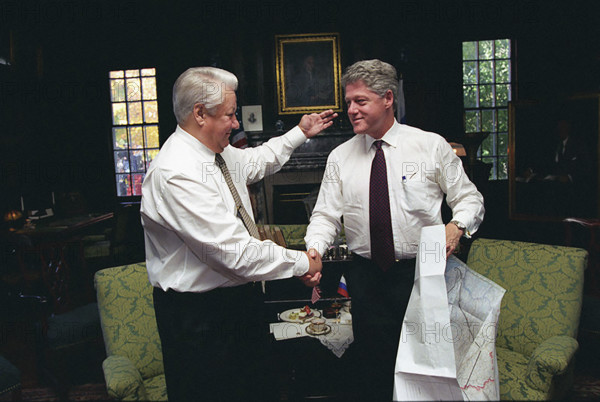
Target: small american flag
[316, 294]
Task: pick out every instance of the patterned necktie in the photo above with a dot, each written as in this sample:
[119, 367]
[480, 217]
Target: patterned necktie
[248, 222]
[380, 219]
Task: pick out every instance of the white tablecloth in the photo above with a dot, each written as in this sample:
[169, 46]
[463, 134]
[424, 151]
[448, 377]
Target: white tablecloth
[338, 340]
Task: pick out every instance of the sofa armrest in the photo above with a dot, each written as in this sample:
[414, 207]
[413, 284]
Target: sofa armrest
[123, 379]
[550, 358]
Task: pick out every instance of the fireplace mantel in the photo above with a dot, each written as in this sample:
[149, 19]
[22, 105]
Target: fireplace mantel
[299, 178]
[310, 155]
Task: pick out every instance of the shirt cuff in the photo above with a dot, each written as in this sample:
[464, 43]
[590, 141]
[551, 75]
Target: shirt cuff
[302, 265]
[296, 137]
[319, 245]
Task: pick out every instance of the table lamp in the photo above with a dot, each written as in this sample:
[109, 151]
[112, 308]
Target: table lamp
[13, 219]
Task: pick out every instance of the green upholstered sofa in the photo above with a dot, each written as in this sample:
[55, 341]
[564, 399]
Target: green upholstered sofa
[539, 317]
[133, 369]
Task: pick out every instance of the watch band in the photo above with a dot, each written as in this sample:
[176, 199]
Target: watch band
[462, 227]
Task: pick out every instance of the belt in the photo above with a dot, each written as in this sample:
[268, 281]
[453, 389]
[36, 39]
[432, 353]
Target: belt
[398, 264]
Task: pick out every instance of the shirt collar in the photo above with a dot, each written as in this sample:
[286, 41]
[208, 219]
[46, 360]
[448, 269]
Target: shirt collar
[194, 143]
[390, 137]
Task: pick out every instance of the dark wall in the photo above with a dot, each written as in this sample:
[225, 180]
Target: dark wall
[54, 99]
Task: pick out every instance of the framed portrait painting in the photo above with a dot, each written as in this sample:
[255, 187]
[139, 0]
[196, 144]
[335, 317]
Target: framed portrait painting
[308, 73]
[554, 148]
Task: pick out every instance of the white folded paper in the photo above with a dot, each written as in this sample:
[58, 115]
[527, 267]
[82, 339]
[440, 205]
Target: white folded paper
[447, 345]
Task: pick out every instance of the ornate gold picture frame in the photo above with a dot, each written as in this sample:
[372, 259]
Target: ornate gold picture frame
[308, 73]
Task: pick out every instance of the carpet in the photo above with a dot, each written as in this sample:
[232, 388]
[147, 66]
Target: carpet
[85, 392]
[586, 388]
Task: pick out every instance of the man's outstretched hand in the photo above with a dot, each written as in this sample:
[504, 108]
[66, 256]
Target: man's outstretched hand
[312, 124]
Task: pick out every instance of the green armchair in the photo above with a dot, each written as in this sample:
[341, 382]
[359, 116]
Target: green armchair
[539, 316]
[133, 369]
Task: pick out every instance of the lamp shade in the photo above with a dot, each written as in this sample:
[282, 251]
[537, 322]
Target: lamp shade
[12, 216]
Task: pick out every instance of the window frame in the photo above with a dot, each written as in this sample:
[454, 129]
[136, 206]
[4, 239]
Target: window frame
[135, 129]
[497, 141]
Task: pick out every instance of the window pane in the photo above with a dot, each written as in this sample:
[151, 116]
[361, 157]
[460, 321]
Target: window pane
[137, 161]
[486, 96]
[471, 121]
[121, 162]
[119, 114]
[123, 185]
[151, 136]
[502, 94]
[502, 168]
[119, 138]
[117, 90]
[138, 179]
[488, 122]
[151, 111]
[136, 137]
[486, 93]
[150, 155]
[486, 72]
[469, 50]
[503, 71]
[135, 145]
[470, 96]
[470, 72]
[135, 112]
[149, 88]
[487, 146]
[502, 48]
[486, 50]
[502, 144]
[502, 120]
[134, 92]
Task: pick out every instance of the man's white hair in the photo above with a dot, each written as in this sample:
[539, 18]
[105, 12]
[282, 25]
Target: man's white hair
[205, 85]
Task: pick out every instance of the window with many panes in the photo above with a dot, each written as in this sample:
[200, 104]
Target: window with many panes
[487, 90]
[135, 127]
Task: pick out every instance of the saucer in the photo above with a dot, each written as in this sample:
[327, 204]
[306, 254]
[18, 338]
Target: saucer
[325, 330]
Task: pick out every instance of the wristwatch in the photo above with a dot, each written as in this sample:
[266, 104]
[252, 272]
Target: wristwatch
[460, 226]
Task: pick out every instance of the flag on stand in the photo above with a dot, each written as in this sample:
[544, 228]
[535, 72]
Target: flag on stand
[401, 105]
[316, 294]
[342, 289]
[238, 137]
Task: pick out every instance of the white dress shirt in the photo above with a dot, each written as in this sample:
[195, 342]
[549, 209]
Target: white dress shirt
[421, 168]
[194, 240]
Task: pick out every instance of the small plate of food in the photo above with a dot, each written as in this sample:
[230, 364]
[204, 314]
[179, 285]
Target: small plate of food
[299, 315]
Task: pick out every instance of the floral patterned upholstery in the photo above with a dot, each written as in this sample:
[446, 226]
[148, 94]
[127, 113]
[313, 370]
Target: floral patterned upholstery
[133, 369]
[539, 315]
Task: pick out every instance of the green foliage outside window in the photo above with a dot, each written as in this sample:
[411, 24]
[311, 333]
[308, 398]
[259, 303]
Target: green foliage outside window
[486, 93]
[135, 127]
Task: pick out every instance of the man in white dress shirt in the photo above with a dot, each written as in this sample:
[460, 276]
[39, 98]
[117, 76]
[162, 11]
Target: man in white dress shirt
[204, 264]
[419, 168]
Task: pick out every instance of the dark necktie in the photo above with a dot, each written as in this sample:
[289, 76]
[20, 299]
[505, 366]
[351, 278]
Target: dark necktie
[248, 222]
[380, 219]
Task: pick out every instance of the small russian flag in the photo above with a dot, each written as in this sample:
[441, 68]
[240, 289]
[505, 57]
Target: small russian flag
[342, 289]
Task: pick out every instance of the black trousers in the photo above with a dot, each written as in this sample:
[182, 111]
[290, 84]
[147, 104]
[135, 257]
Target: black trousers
[214, 344]
[379, 302]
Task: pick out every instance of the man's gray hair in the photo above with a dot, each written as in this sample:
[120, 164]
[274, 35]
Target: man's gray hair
[378, 76]
[205, 85]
